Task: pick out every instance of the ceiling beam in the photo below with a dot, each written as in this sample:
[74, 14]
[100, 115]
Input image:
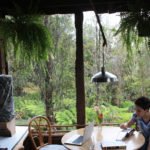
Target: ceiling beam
[69, 6]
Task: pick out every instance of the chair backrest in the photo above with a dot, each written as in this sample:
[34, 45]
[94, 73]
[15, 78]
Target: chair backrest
[39, 131]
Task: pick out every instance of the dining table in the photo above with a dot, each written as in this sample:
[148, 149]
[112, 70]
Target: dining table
[104, 134]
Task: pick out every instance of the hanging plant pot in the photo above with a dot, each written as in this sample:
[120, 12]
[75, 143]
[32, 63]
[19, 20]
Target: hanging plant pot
[135, 23]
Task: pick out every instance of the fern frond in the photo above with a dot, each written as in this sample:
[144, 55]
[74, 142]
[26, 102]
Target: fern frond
[130, 24]
[30, 39]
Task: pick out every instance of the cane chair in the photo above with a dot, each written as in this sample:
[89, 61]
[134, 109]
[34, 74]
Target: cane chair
[41, 134]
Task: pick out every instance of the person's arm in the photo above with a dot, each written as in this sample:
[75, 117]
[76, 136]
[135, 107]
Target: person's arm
[126, 125]
[148, 148]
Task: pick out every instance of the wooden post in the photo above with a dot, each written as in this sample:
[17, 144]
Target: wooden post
[3, 62]
[79, 70]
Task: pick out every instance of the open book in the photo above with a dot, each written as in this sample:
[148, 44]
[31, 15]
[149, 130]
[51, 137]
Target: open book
[123, 134]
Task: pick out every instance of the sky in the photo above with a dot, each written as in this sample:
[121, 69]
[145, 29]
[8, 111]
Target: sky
[110, 20]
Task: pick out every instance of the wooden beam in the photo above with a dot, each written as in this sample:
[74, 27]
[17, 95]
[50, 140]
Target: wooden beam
[69, 6]
[79, 70]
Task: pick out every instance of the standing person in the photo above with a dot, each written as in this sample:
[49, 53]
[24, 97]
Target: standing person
[142, 117]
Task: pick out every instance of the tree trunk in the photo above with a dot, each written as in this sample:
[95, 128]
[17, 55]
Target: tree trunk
[79, 70]
[49, 91]
[48, 85]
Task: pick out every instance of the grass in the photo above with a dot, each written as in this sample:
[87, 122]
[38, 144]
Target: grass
[22, 121]
[31, 88]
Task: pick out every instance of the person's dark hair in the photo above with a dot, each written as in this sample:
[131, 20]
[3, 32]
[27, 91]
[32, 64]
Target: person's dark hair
[143, 102]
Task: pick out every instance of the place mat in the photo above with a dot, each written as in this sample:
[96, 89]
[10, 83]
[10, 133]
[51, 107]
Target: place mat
[11, 142]
[113, 144]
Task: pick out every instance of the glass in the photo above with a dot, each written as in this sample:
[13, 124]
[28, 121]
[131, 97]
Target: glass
[100, 126]
[91, 144]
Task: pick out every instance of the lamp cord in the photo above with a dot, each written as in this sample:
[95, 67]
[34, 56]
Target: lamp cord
[103, 57]
[100, 26]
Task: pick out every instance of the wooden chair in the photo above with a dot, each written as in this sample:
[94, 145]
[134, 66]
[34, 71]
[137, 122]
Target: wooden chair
[39, 132]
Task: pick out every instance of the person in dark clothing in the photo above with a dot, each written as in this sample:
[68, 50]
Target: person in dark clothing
[142, 117]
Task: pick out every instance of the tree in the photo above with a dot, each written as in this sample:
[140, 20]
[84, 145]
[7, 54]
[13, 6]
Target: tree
[54, 72]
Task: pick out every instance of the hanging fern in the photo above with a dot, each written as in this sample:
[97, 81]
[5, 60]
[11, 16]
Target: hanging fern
[134, 24]
[24, 31]
[30, 39]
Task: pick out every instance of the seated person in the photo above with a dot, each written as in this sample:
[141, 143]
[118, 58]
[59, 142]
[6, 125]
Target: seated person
[142, 117]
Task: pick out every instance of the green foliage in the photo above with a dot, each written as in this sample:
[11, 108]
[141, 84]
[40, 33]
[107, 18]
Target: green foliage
[134, 77]
[114, 114]
[135, 23]
[61, 28]
[30, 39]
[22, 121]
[126, 104]
[29, 106]
[68, 104]
[24, 31]
[111, 114]
[66, 117]
[122, 117]
[90, 115]
[21, 75]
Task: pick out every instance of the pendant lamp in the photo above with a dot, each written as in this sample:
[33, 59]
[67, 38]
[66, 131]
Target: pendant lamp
[104, 76]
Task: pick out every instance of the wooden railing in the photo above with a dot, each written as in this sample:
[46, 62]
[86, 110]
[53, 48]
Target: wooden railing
[58, 131]
[62, 132]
